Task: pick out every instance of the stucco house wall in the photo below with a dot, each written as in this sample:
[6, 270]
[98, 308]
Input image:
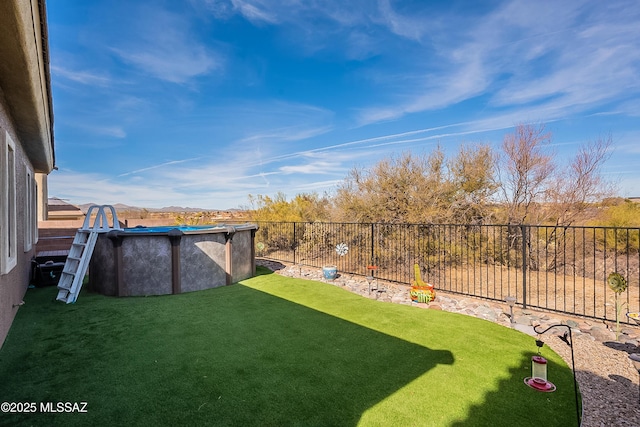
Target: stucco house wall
[26, 145]
[13, 283]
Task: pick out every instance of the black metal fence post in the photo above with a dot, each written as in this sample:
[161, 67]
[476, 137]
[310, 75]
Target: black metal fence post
[372, 243]
[524, 265]
[293, 243]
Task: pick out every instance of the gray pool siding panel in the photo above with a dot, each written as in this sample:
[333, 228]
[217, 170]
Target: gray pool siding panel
[200, 256]
[242, 261]
[102, 269]
[146, 265]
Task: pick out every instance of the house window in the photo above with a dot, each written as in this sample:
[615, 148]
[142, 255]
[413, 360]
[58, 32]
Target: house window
[34, 203]
[30, 214]
[8, 237]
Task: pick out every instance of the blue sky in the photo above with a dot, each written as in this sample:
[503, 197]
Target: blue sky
[201, 102]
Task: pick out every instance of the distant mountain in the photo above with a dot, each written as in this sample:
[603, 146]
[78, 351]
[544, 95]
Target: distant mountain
[120, 207]
[182, 209]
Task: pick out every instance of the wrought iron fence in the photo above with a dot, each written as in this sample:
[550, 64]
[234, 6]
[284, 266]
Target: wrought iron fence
[561, 269]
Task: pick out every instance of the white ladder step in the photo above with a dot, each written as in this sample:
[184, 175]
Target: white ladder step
[74, 270]
[84, 241]
[64, 287]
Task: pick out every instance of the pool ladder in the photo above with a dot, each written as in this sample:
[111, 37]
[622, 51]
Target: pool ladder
[81, 250]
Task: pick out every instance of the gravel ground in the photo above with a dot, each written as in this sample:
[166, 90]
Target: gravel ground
[608, 379]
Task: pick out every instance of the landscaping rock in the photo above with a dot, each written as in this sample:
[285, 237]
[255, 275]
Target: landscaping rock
[572, 323]
[400, 300]
[602, 334]
[522, 320]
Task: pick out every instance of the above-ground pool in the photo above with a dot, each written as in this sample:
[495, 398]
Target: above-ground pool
[171, 260]
[167, 228]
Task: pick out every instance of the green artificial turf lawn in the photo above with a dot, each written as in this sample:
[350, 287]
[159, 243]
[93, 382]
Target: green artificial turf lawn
[272, 351]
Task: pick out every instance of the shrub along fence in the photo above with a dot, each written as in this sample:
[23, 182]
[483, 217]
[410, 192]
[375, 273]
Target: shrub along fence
[561, 269]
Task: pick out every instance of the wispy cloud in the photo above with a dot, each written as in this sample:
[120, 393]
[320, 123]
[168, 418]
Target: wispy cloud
[573, 55]
[157, 188]
[255, 11]
[83, 77]
[165, 47]
[81, 188]
[169, 63]
[353, 14]
[291, 133]
[594, 60]
[409, 26]
[440, 91]
[114, 131]
[358, 27]
[313, 168]
[161, 165]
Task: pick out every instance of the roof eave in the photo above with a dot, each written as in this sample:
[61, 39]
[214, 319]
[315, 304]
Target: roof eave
[25, 78]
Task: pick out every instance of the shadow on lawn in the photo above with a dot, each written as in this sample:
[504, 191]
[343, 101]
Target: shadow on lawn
[228, 356]
[620, 407]
[521, 405]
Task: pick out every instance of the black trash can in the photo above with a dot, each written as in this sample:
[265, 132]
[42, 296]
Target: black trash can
[47, 273]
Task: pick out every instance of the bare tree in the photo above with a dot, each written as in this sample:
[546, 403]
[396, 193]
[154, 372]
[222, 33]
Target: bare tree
[537, 191]
[581, 184]
[525, 171]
